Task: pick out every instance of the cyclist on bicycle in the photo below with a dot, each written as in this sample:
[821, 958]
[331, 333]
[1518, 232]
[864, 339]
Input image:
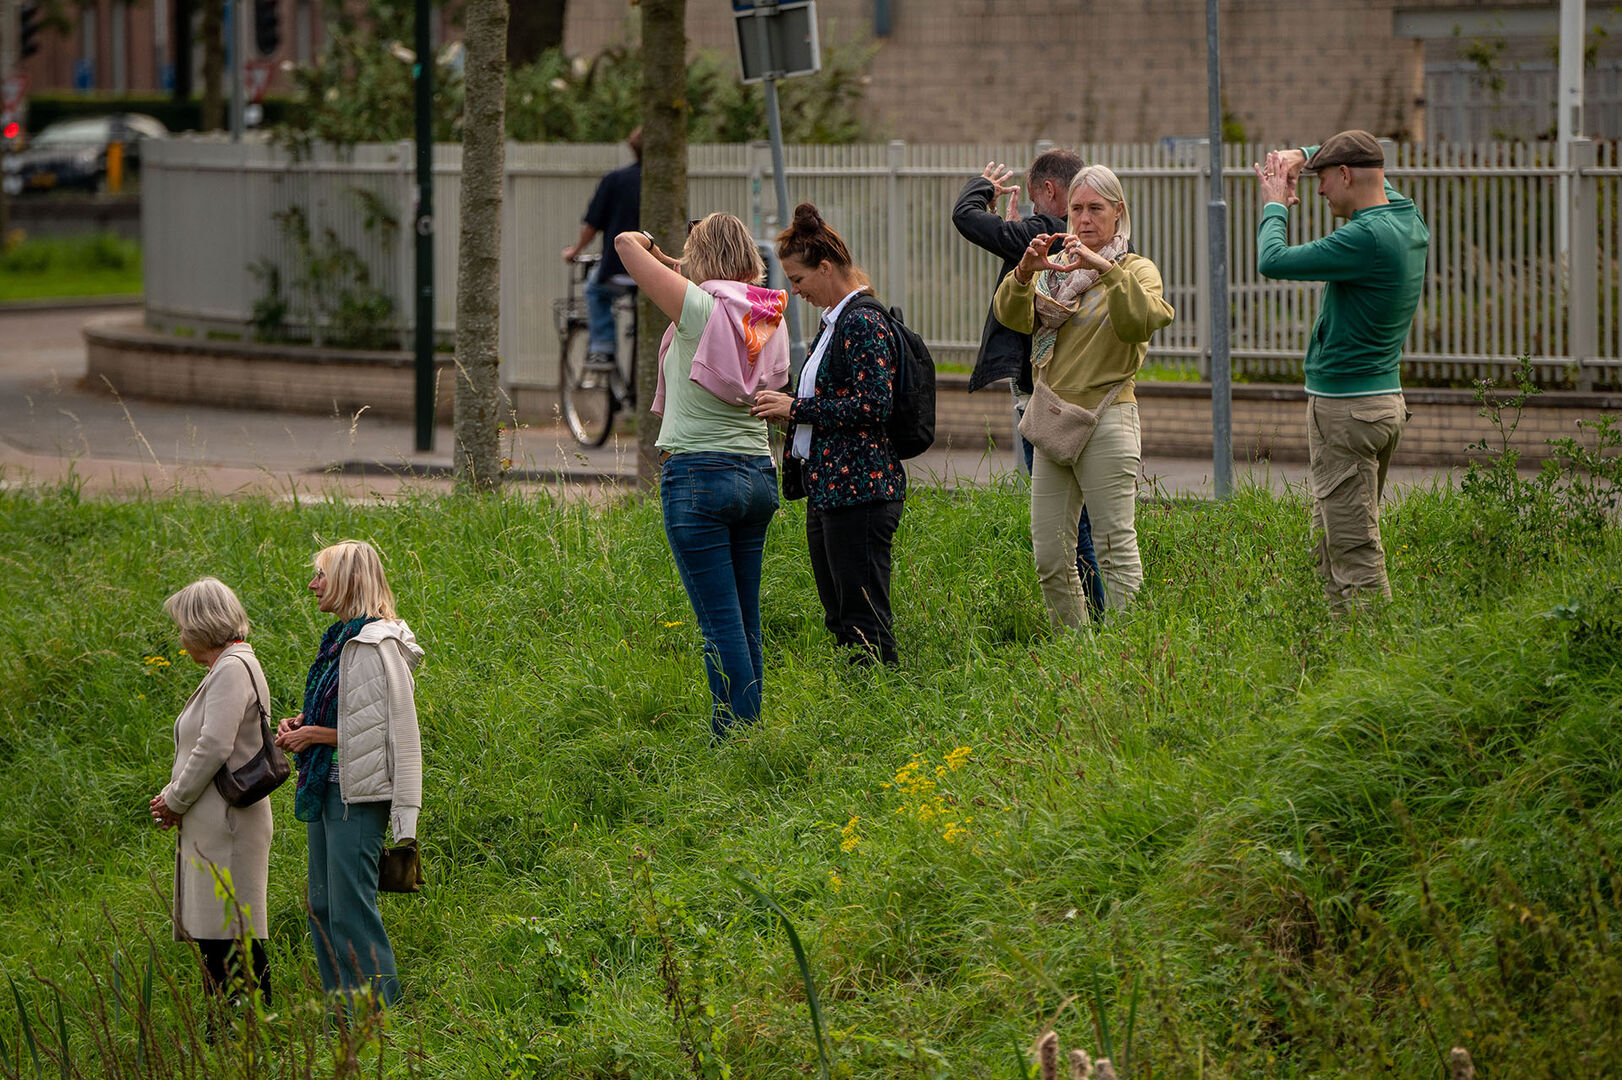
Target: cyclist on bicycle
[615, 208]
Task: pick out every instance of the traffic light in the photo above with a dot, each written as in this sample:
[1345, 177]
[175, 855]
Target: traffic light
[267, 26]
[28, 28]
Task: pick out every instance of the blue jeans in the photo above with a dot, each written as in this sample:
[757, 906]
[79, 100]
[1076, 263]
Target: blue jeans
[716, 508]
[600, 297]
[1092, 582]
[352, 950]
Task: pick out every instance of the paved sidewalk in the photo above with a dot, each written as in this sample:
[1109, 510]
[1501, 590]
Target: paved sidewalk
[53, 426]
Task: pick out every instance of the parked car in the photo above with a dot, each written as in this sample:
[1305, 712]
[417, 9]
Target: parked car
[73, 153]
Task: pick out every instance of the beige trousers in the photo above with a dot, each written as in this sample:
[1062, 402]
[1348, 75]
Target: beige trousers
[1349, 447]
[1106, 481]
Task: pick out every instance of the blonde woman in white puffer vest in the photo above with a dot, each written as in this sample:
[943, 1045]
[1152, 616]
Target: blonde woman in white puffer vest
[359, 757]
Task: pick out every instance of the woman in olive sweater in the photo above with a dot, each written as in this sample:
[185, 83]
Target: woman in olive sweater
[1090, 311]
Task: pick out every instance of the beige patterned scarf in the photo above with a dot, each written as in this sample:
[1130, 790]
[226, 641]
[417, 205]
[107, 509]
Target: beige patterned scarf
[1058, 297]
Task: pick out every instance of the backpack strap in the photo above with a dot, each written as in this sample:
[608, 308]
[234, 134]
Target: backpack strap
[836, 348]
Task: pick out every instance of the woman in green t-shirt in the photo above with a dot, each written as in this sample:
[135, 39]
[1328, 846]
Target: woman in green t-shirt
[717, 484]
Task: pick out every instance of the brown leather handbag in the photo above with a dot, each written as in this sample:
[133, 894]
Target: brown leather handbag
[399, 868]
[263, 773]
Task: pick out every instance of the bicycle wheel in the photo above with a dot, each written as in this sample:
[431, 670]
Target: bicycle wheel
[588, 393]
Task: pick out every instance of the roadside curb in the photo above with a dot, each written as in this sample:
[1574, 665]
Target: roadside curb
[47, 304]
[438, 470]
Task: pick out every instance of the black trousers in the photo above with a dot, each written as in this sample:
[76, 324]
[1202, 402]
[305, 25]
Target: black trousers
[850, 559]
[224, 971]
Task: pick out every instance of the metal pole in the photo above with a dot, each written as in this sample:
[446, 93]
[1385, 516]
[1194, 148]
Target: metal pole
[10, 61]
[1568, 112]
[785, 213]
[237, 54]
[1217, 215]
[424, 73]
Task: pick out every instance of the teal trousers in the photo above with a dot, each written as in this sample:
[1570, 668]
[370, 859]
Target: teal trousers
[352, 949]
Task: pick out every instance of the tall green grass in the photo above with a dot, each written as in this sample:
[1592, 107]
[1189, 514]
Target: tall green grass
[96, 264]
[1225, 835]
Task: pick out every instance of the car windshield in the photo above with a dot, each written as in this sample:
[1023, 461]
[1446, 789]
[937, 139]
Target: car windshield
[73, 132]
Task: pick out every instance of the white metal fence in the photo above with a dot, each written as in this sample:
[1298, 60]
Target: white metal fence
[1494, 291]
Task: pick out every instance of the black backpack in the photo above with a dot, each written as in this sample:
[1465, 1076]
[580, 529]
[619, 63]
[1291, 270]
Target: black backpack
[911, 425]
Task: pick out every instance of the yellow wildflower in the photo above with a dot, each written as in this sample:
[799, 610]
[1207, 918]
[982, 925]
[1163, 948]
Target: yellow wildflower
[955, 830]
[849, 839]
[670, 624]
[835, 880]
[157, 661]
[958, 758]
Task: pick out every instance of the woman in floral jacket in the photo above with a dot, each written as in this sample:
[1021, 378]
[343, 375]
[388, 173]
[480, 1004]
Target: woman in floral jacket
[838, 445]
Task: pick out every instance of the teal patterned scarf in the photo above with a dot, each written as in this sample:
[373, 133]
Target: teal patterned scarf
[321, 709]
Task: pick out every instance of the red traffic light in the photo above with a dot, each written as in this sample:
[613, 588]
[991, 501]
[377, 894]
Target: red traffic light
[12, 130]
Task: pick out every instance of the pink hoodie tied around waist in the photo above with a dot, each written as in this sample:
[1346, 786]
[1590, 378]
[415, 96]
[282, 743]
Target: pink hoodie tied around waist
[744, 347]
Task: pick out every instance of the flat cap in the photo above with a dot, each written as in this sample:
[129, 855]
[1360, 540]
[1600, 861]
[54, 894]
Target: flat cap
[1356, 148]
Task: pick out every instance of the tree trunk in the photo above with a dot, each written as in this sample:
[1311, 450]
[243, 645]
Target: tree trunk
[180, 49]
[213, 64]
[664, 193]
[478, 271]
[537, 25]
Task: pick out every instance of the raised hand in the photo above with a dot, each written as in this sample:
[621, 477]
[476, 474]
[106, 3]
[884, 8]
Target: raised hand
[999, 175]
[1279, 176]
[1012, 212]
[1035, 259]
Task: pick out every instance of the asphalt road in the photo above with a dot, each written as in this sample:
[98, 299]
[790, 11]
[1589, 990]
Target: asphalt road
[53, 426]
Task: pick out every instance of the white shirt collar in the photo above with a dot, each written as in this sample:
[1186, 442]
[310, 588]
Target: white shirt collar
[831, 316]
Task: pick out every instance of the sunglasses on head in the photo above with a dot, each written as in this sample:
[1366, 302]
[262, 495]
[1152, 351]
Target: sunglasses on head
[693, 224]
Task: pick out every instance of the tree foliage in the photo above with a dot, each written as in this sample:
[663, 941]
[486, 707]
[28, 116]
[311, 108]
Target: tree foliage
[360, 90]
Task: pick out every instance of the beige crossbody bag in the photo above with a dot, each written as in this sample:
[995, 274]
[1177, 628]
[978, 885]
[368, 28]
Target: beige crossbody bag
[1057, 428]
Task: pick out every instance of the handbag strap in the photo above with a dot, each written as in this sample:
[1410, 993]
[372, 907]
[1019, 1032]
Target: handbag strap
[1114, 392]
[1106, 402]
[264, 713]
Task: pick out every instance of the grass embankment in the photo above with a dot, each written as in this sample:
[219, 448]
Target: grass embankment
[97, 265]
[1225, 836]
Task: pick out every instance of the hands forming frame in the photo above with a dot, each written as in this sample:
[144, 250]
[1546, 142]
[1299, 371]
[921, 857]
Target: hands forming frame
[1279, 175]
[999, 175]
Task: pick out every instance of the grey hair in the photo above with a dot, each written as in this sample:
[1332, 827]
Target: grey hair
[1102, 179]
[208, 614]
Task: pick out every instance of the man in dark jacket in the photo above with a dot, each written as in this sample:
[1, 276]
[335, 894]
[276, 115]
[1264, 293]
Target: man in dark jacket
[1005, 353]
[615, 207]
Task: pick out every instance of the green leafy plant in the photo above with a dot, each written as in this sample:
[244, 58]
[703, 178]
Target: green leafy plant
[1577, 489]
[331, 290]
[684, 976]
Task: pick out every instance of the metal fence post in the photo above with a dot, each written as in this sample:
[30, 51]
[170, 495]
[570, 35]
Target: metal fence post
[895, 258]
[1582, 294]
[1202, 269]
[405, 255]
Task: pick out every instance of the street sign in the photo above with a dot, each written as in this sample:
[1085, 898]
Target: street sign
[13, 92]
[84, 74]
[777, 41]
[256, 78]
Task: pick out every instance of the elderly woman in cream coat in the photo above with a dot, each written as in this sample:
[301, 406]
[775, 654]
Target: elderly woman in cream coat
[220, 848]
[359, 757]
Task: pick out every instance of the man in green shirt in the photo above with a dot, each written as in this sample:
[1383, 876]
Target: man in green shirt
[1374, 266]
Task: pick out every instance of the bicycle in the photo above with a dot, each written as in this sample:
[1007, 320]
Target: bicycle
[593, 392]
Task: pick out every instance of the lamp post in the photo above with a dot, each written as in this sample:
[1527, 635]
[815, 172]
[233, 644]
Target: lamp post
[423, 226]
[1217, 216]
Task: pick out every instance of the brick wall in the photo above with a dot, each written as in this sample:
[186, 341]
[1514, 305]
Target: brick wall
[143, 364]
[1123, 71]
[1268, 421]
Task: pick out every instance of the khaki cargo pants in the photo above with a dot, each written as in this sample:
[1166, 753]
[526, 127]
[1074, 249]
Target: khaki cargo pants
[1349, 446]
